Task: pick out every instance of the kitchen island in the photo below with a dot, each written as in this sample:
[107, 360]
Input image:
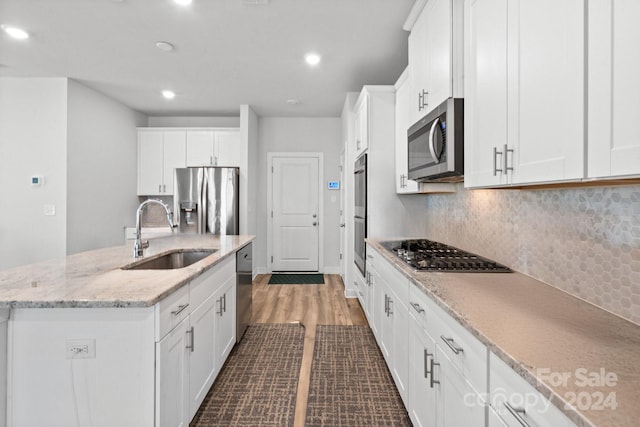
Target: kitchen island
[582, 359]
[93, 344]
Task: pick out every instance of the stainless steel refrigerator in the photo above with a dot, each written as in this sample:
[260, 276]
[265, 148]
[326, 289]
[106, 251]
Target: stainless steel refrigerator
[205, 200]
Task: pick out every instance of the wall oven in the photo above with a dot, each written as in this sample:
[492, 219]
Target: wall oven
[360, 212]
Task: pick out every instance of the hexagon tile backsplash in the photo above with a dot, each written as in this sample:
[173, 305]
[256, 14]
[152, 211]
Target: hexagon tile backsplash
[585, 241]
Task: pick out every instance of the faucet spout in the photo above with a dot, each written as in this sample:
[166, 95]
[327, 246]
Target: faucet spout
[139, 246]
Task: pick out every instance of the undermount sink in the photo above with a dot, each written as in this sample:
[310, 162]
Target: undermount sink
[172, 260]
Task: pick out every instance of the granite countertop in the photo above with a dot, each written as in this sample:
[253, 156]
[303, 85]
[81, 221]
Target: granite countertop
[95, 278]
[538, 329]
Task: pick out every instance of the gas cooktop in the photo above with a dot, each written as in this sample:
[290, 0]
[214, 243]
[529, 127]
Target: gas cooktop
[427, 255]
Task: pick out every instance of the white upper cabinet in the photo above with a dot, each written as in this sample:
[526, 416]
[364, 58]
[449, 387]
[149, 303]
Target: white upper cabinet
[614, 92]
[159, 153]
[213, 147]
[435, 56]
[404, 185]
[524, 92]
[361, 124]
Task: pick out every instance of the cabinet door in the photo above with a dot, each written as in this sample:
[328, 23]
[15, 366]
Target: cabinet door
[361, 125]
[172, 378]
[422, 396]
[614, 93]
[403, 98]
[386, 323]
[150, 163]
[546, 70]
[202, 362]
[200, 147]
[459, 404]
[400, 348]
[225, 334]
[438, 50]
[418, 66]
[174, 157]
[227, 148]
[485, 107]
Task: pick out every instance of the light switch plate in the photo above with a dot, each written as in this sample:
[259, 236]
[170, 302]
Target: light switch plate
[49, 210]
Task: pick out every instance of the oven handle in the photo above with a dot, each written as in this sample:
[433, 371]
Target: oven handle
[432, 147]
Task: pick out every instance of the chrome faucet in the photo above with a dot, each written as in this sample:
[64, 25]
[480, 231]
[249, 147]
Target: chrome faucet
[139, 246]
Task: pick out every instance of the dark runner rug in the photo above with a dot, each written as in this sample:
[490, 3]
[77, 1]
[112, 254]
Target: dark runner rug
[258, 384]
[350, 382]
[296, 279]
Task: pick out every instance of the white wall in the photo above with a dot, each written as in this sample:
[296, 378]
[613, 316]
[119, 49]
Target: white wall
[295, 134]
[33, 135]
[249, 129]
[101, 173]
[191, 121]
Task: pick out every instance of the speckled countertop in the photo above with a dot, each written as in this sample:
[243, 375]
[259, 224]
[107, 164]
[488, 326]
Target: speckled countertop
[95, 278]
[535, 327]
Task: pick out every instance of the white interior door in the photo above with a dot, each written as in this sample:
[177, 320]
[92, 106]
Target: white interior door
[295, 211]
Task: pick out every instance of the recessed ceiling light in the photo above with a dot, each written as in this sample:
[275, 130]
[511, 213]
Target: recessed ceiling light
[168, 94]
[183, 2]
[166, 46]
[293, 101]
[16, 33]
[312, 58]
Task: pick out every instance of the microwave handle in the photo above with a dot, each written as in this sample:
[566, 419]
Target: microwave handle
[432, 147]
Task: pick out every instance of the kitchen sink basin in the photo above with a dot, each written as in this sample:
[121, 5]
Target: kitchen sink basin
[172, 260]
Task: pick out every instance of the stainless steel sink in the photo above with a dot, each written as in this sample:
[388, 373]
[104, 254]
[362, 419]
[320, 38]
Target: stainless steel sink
[172, 260]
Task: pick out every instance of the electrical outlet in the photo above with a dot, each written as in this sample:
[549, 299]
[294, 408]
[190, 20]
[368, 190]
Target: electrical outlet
[81, 349]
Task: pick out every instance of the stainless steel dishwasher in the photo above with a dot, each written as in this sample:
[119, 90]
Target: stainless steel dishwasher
[244, 290]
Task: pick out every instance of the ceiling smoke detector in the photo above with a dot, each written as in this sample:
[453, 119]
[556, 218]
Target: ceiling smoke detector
[293, 101]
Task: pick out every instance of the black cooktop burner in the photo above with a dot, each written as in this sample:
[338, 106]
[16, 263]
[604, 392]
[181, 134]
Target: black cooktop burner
[427, 255]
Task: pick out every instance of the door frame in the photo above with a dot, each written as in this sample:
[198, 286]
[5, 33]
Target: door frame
[321, 219]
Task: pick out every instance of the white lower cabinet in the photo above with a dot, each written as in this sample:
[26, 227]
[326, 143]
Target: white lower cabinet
[422, 395]
[200, 322]
[172, 378]
[518, 403]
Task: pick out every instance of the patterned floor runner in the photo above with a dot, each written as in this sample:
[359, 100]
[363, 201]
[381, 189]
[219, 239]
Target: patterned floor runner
[257, 385]
[350, 383]
[296, 279]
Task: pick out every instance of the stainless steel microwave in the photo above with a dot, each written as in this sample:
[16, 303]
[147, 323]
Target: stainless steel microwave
[436, 144]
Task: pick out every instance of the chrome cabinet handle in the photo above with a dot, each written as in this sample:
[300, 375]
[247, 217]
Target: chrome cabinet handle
[426, 363]
[220, 302]
[386, 304]
[224, 303]
[495, 161]
[451, 344]
[159, 188]
[416, 307]
[432, 381]
[191, 339]
[389, 310]
[164, 188]
[506, 159]
[432, 144]
[180, 309]
[420, 106]
[516, 414]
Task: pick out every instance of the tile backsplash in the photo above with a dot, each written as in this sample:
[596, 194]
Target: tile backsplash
[585, 241]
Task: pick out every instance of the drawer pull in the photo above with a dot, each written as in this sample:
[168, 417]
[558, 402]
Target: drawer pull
[451, 343]
[417, 307]
[516, 414]
[180, 309]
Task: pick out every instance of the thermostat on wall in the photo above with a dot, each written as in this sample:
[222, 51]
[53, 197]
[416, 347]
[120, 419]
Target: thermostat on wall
[333, 185]
[37, 180]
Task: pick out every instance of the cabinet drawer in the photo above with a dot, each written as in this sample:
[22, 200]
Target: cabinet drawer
[207, 283]
[171, 311]
[396, 281]
[419, 308]
[464, 350]
[517, 402]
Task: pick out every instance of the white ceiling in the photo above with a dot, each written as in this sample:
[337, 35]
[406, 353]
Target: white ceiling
[227, 53]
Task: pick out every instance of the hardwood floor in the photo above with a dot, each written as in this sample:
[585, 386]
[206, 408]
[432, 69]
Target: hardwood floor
[310, 305]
